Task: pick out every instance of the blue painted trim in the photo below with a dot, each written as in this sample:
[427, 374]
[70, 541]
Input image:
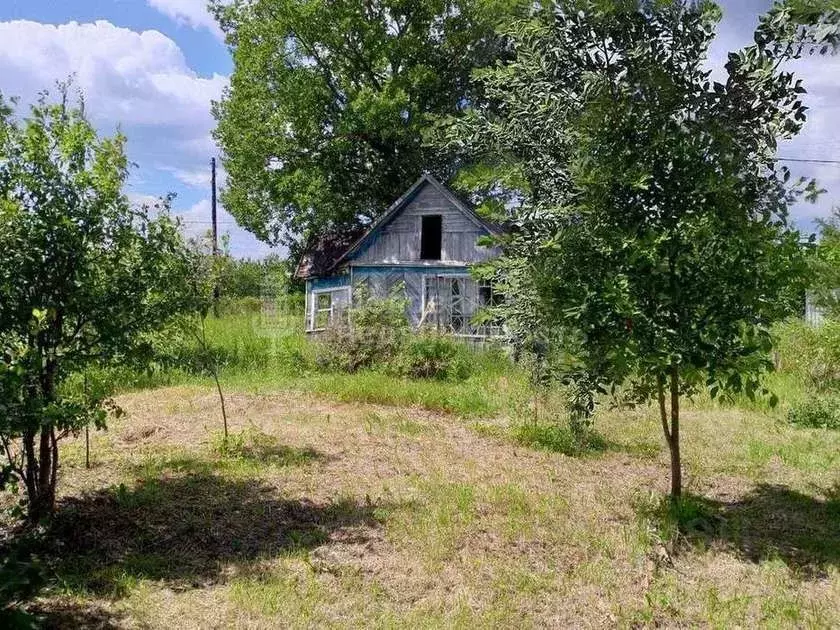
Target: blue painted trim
[329, 282]
[422, 269]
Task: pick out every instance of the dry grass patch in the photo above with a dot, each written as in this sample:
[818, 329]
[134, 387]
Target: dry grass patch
[327, 514]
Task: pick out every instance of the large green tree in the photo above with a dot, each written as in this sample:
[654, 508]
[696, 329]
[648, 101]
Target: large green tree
[322, 125]
[653, 242]
[82, 276]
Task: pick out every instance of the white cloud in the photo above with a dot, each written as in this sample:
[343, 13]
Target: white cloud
[127, 78]
[193, 13]
[196, 221]
[142, 83]
[196, 178]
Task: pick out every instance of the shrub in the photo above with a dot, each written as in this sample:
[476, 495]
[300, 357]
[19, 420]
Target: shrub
[371, 334]
[811, 352]
[818, 411]
[432, 355]
[21, 577]
[247, 305]
[558, 438]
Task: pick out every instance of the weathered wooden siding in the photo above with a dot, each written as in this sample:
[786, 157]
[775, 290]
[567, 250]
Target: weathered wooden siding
[399, 240]
[382, 280]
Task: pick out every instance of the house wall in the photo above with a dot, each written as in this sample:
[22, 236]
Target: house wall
[382, 280]
[399, 240]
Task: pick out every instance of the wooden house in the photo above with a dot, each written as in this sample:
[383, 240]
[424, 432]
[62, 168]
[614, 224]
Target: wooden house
[423, 245]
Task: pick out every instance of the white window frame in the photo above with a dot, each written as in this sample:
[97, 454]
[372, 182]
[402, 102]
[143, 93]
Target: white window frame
[436, 276]
[314, 310]
[492, 330]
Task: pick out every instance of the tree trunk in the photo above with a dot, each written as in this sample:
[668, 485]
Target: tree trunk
[671, 426]
[41, 475]
[222, 402]
[674, 444]
[41, 468]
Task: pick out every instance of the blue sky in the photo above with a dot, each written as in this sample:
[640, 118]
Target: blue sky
[152, 68]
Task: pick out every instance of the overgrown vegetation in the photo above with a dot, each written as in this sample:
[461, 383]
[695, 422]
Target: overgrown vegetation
[375, 334]
[84, 276]
[371, 333]
[377, 476]
[826, 265]
[819, 411]
[653, 235]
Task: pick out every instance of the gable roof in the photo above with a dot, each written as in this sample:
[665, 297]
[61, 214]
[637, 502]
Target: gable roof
[406, 198]
[329, 251]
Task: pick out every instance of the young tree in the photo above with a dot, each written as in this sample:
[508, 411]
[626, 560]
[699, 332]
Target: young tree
[654, 239]
[826, 265]
[206, 268]
[82, 275]
[322, 124]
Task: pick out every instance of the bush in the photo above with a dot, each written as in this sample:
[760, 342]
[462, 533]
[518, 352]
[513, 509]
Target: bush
[372, 333]
[819, 412]
[432, 355]
[21, 577]
[248, 305]
[557, 438]
[811, 352]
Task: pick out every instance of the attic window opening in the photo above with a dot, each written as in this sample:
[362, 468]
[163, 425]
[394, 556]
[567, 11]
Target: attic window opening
[431, 231]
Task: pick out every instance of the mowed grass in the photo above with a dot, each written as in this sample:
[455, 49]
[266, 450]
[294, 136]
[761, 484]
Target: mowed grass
[323, 513]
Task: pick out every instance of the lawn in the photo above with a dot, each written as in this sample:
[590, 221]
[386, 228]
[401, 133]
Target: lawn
[328, 510]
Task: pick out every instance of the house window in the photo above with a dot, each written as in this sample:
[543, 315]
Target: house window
[323, 310]
[487, 296]
[325, 306]
[452, 302]
[457, 305]
[430, 236]
[447, 304]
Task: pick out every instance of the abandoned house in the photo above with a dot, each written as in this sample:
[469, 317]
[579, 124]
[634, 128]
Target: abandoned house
[423, 245]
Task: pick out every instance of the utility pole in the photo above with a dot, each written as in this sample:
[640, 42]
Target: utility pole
[215, 235]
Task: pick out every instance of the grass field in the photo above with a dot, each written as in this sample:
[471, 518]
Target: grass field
[370, 501]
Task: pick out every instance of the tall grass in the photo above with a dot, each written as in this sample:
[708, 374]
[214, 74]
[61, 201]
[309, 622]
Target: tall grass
[260, 354]
[263, 354]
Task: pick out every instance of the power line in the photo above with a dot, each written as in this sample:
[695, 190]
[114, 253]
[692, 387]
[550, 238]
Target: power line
[783, 159]
[206, 222]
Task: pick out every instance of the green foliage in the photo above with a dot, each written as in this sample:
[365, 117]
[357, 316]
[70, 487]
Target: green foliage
[820, 411]
[21, 577]
[253, 279]
[83, 277]
[432, 355]
[372, 332]
[812, 353]
[826, 266]
[557, 438]
[653, 239]
[323, 122]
